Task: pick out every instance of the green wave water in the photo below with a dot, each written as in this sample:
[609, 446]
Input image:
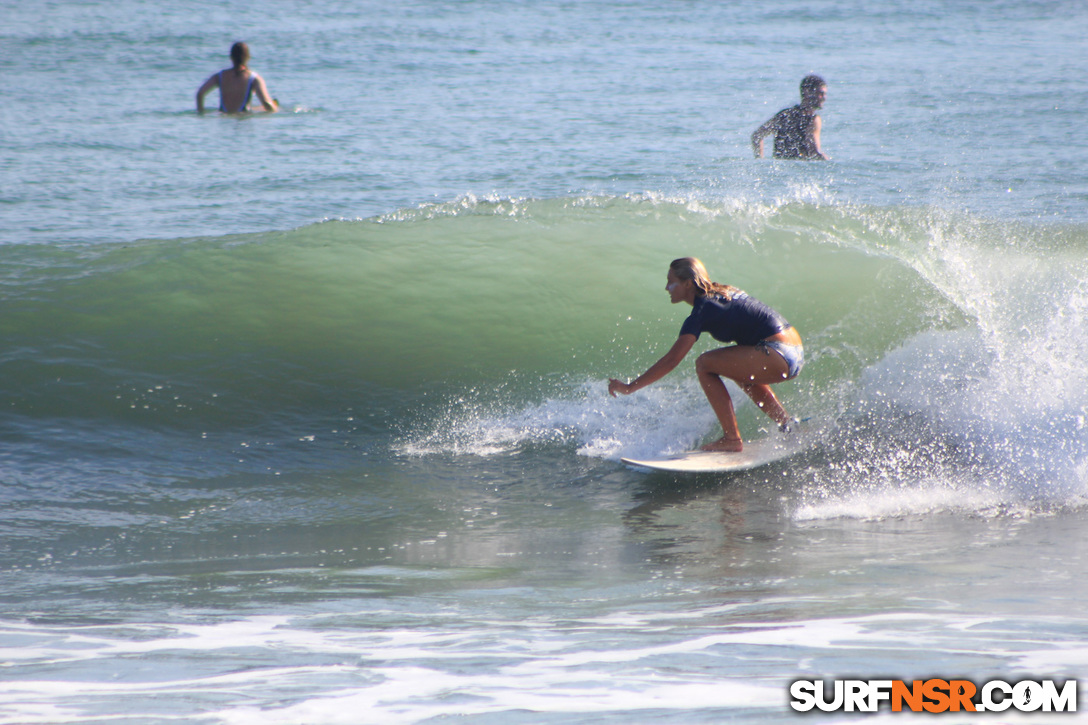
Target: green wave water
[484, 325]
[255, 468]
[444, 296]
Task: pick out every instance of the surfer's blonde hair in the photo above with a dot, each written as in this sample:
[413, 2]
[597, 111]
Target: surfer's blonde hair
[690, 268]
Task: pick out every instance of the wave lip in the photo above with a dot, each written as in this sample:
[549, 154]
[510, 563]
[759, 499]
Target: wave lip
[908, 313]
[456, 295]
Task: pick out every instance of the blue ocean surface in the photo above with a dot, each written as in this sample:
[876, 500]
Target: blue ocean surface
[304, 416]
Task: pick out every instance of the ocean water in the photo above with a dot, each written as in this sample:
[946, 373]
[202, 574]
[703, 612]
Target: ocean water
[303, 417]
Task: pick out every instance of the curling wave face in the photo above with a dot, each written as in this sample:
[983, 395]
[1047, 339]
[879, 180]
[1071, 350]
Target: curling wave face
[484, 325]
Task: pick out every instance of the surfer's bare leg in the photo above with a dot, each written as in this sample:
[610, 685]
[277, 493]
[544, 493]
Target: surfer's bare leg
[718, 395]
[753, 370]
[765, 399]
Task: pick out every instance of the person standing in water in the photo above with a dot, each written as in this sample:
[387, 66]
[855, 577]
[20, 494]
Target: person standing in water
[796, 130]
[236, 85]
[768, 349]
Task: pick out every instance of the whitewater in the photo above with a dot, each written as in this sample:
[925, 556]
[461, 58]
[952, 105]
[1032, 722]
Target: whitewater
[304, 419]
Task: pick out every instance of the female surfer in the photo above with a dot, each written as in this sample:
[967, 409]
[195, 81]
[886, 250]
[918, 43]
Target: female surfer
[768, 349]
[236, 85]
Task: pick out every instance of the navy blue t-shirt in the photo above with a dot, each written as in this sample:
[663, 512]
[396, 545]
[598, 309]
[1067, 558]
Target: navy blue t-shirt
[742, 319]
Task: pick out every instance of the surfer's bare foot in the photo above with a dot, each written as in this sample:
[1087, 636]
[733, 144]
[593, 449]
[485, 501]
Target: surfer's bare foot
[725, 445]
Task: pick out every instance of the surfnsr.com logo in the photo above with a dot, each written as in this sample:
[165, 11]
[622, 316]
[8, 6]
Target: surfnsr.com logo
[933, 695]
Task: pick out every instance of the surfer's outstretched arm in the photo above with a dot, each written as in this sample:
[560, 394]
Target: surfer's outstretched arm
[658, 370]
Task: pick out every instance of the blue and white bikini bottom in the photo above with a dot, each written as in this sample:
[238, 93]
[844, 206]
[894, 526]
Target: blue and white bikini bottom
[794, 355]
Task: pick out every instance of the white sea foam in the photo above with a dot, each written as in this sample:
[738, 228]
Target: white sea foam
[661, 419]
[625, 662]
[146, 246]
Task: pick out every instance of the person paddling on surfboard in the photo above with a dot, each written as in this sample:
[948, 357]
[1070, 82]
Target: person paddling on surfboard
[768, 349]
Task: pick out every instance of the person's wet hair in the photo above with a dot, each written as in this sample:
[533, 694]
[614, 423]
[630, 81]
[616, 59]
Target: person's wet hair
[239, 54]
[811, 83]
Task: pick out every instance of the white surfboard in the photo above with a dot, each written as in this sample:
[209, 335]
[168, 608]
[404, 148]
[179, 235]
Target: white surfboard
[762, 451]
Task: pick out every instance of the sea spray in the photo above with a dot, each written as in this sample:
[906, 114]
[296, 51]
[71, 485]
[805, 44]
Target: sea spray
[938, 350]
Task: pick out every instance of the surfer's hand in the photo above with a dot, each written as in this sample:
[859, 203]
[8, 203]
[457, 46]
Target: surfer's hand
[618, 386]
